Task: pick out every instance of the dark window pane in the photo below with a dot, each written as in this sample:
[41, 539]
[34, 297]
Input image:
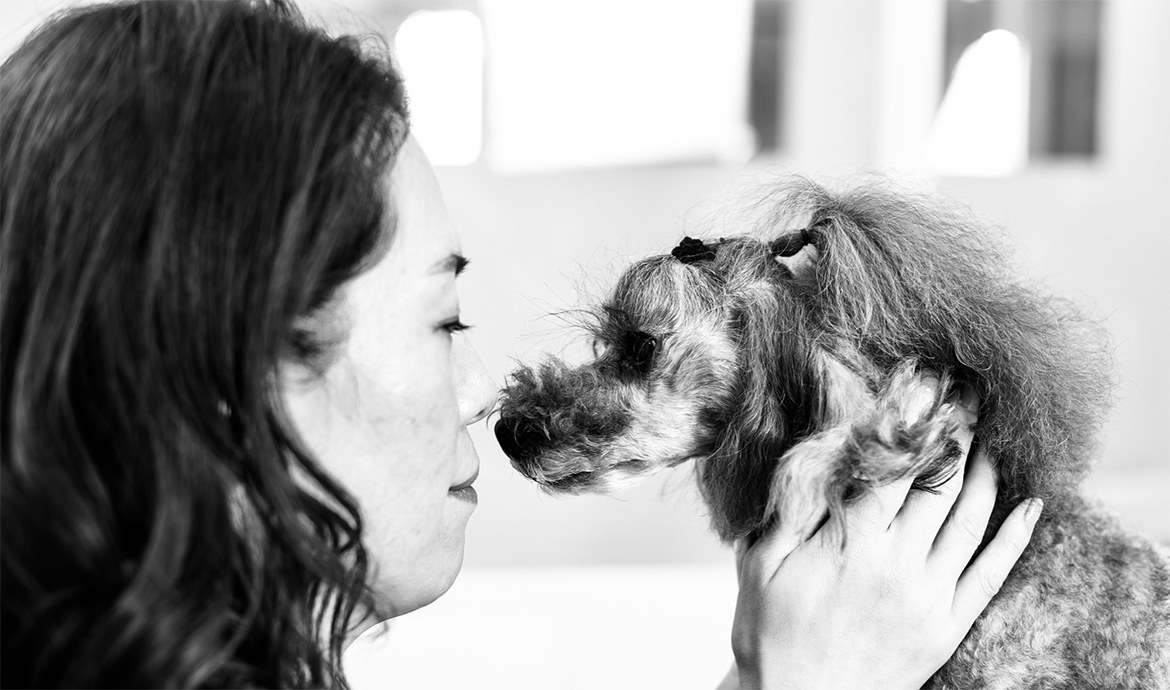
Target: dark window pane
[1065, 41]
[966, 21]
[767, 75]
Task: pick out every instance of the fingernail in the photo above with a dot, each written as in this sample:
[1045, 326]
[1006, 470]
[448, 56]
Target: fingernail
[1032, 512]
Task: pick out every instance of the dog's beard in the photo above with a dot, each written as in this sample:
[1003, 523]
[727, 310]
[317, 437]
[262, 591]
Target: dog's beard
[573, 472]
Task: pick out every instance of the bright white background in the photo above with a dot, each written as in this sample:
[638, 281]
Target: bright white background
[606, 592]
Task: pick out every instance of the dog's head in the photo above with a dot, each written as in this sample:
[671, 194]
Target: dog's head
[668, 373]
[800, 365]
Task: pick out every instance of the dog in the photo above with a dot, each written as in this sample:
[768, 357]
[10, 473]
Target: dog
[820, 354]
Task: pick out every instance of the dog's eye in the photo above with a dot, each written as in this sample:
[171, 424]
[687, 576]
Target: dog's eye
[638, 351]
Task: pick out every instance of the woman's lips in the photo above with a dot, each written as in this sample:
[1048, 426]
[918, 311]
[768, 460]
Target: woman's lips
[464, 491]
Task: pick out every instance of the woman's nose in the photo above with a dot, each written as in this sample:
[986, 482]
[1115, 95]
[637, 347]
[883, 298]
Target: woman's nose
[477, 392]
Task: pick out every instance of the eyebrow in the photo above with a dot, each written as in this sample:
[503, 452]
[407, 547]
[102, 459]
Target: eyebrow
[454, 262]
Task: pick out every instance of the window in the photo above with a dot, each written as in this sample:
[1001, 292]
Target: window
[1066, 47]
[768, 71]
[616, 83]
[441, 56]
[1052, 47]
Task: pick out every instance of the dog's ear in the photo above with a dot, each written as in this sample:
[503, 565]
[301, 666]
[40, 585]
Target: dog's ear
[775, 394]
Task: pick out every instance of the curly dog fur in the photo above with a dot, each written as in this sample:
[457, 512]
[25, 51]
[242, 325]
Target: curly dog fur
[799, 367]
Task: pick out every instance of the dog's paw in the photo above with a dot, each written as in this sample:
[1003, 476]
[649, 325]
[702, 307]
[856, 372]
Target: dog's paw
[912, 429]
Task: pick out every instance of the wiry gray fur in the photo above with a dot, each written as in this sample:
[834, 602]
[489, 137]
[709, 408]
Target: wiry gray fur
[797, 381]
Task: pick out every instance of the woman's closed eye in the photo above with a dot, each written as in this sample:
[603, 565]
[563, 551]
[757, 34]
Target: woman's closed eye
[455, 325]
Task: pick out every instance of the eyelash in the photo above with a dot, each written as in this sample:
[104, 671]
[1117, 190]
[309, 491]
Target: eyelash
[455, 326]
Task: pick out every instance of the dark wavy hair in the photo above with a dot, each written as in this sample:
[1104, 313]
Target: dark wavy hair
[181, 183]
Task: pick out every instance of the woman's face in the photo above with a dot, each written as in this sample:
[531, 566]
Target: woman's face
[388, 418]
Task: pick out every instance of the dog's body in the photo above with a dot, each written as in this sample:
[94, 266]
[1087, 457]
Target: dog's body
[799, 367]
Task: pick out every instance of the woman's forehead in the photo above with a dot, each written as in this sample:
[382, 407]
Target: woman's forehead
[424, 228]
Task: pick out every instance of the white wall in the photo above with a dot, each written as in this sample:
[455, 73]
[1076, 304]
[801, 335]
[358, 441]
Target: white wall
[1095, 232]
[1099, 232]
[18, 17]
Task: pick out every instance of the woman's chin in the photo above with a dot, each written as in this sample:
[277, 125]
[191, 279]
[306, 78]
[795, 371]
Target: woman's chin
[393, 601]
[411, 591]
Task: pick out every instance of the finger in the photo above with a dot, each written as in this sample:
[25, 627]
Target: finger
[765, 556]
[963, 531]
[873, 511]
[983, 579]
[924, 512]
[741, 548]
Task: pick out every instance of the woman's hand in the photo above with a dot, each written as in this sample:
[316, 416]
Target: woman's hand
[889, 609]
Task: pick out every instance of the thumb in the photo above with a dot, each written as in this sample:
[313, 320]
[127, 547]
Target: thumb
[767, 552]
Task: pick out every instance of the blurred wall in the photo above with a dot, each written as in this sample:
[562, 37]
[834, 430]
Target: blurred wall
[1098, 233]
[18, 17]
[857, 97]
[1094, 231]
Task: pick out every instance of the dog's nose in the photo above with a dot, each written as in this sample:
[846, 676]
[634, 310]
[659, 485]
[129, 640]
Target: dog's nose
[518, 440]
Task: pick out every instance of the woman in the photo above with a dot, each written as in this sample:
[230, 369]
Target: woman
[235, 392]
